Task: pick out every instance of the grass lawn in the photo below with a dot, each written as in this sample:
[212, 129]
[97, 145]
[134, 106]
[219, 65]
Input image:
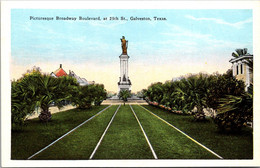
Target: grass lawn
[124, 138]
[80, 143]
[37, 135]
[232, 146]
[167, 142]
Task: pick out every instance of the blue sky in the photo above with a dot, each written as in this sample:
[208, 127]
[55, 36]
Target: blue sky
[190, 41]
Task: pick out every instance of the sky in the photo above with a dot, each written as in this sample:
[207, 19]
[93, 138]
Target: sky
[188, 41]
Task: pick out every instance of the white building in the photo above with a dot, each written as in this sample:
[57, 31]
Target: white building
[241, 70]
[81, 81]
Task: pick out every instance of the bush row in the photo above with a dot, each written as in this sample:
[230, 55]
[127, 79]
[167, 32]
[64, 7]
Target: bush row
[221, 92]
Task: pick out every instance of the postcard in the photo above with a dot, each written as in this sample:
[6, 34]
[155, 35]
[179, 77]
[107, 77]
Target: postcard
[134, 83]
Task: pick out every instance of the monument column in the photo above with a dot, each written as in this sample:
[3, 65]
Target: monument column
[124, 81]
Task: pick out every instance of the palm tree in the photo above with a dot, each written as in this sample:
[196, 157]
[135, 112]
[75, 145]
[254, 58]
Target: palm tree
[19, 107]
[124, 94]
[194, 93]
[239, 52]
[52, 90]
[221, 85]
[155, 92]
[237, 109]
[44, 90]
[234, 112]
[168, 97]
[178, 95]
[35, 89]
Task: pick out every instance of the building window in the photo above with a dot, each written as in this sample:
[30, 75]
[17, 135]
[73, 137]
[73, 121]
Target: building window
[237, 70]
[241, 68]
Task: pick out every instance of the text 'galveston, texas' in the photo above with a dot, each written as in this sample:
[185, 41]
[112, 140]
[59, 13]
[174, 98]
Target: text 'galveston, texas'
[98, 18]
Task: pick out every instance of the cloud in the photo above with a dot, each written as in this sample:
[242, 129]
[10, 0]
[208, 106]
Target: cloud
[221, 21]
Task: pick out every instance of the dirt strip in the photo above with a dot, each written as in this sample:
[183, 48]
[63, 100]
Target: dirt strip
[52, 110]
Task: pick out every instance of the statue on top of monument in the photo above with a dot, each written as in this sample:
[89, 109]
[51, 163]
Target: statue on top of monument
[124, 44]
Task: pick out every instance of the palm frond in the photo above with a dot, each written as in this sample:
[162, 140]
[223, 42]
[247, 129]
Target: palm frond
[239, 51]
[245, 51]
[238, 104]
[235, 55]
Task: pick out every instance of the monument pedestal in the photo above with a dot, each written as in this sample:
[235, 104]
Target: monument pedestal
[124, 87]
[124, 81]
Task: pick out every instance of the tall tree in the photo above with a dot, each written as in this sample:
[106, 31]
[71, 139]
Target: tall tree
[195, 93]
[41, 90]
[53, 90]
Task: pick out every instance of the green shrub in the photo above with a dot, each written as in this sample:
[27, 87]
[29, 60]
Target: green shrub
[35, 89]
[85, 96]
[199, 90]
[234, 112]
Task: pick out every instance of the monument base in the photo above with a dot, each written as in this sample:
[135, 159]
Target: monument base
[133, 97]
[123, 87]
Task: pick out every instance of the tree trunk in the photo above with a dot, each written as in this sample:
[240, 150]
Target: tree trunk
[45, 115]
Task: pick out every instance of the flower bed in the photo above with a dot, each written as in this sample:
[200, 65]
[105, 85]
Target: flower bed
[177, 111]
[156, 104]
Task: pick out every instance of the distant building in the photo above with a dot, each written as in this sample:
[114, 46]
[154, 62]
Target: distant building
[241, 70]
[61, 72]
[81, 81]
[91, 82]
[177, 78]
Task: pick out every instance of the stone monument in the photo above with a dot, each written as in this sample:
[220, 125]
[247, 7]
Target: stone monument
[124, 81]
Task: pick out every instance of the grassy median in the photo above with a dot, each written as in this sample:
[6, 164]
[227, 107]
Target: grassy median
[80, 143]
[229, 146]
[167, 142]
[36, 135]
[124, 139]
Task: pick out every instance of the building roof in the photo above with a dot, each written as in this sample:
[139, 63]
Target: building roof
[242, 57]
[84, 80]
[81, 81]
[60, 72]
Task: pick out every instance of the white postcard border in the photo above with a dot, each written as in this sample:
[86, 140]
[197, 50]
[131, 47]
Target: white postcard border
[6, 7]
